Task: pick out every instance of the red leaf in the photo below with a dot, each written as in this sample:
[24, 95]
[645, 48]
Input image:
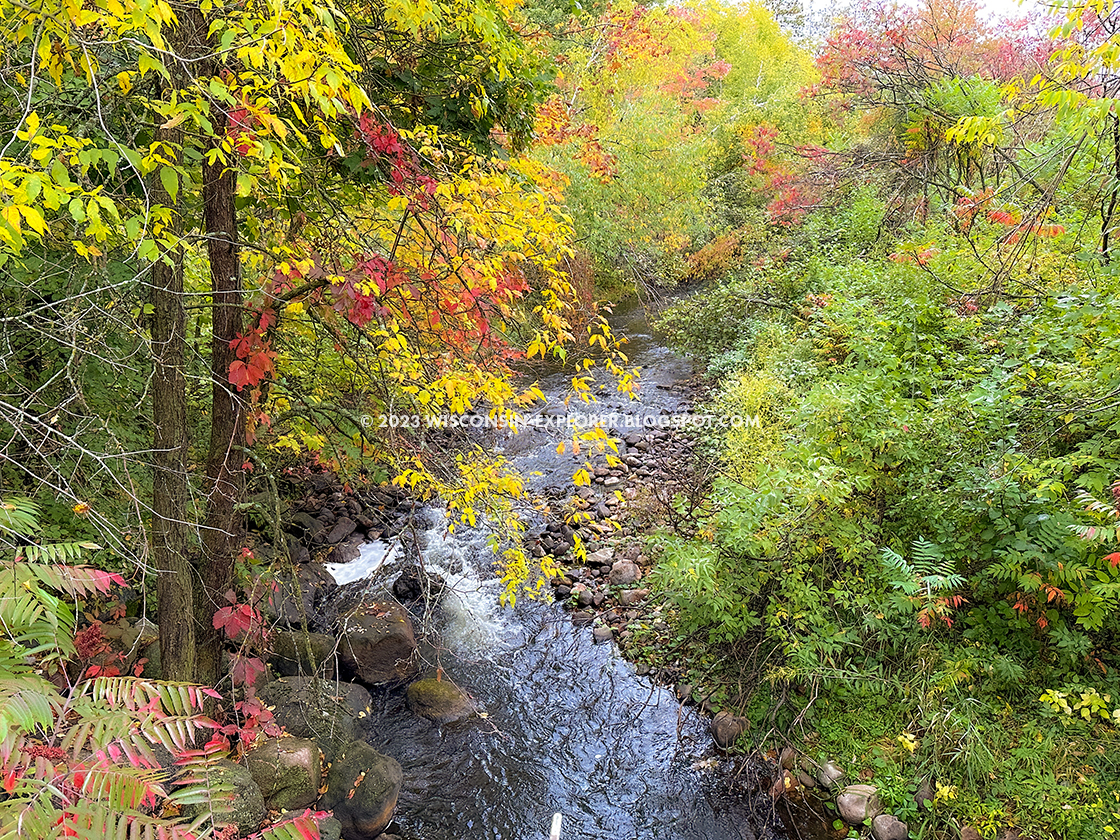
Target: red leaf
[239, 374]
[246, 669]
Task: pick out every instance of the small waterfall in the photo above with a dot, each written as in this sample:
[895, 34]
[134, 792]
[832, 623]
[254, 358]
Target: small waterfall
[473, 622]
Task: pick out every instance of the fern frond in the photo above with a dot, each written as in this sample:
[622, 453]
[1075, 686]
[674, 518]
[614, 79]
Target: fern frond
[1096, 533]
[905, 580]
[124, 788]
[24, 818]
[28, 703]
[1094, 505]
[18, 516]
[929, 559]
[77, 581]
[88, 821]
[303, 827]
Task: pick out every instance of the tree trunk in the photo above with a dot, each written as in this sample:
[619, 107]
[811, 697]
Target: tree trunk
[1108, 212]
[221, 536]
[172, 524]
[170, 529]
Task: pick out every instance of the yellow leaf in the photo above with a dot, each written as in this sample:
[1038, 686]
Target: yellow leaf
[34, 219]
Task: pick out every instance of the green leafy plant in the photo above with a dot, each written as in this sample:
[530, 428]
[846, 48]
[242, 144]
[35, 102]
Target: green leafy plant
[927, 580]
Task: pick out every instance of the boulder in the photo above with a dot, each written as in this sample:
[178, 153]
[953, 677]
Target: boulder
[303, 524]
[378, 645]
[829, 775]
[857, 803]
[889, 827]
[290, 653]
[726, 729]
[625, 572]
[439, 700]
[295, 597]
[324, 711]
[341, 529]
[330, 829]
[245, 809]
[602, 557]
[287, 771]
[362, 790]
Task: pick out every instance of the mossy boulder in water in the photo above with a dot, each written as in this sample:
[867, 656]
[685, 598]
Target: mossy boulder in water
[439, 700]
[378, 646]
[362, 790]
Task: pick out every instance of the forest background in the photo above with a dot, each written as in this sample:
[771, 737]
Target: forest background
[231, 230]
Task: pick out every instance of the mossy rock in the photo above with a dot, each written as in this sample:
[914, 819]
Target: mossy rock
[362, 789]
[288, 772]
[326, 712]
[439, 700]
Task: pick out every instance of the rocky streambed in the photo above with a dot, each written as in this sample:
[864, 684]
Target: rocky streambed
[415, 704]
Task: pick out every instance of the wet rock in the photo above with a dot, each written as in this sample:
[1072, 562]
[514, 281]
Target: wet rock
[326, 712]
[290, 653]
[829, 775]
[857, 803]
[889, 827]
[415, 584]
[602, 634]
[303, 524]
[624, 572]
[287, 771]
[582, 618]
[362, 790]
[585, 597]
[562, 592]
[297, 597]
[378, 645]
[439, 700]
[244, 810]
[347, 551]
[629, 597]
[727, 728]
[805, 780]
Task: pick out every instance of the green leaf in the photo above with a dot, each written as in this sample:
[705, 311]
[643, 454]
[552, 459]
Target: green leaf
[170, 180]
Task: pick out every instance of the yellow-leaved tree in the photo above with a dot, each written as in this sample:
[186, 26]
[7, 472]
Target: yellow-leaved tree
[215, 214]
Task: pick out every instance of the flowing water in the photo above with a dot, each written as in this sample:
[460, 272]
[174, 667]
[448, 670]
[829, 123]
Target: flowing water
[565, 725]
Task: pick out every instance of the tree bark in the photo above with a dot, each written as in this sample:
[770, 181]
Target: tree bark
[170, 528]
[221, 536]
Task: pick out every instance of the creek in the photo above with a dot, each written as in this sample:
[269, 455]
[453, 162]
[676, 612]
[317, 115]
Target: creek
[565, 725]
